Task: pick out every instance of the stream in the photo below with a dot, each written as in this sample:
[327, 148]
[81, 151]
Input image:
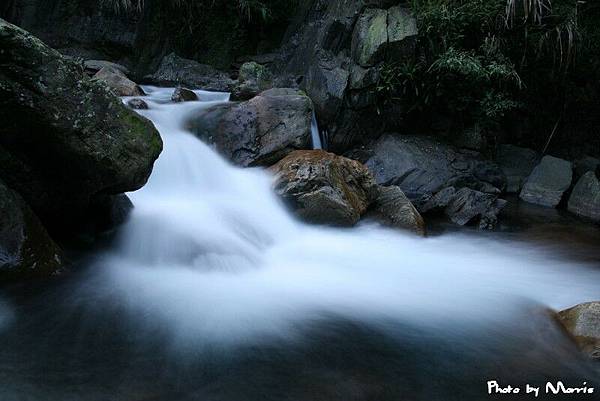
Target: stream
[212, 291]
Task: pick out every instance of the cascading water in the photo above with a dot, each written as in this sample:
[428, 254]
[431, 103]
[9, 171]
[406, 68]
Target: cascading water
[315, 133]
[214, 291]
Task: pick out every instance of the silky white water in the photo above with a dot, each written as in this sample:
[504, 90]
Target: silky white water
[210, 255]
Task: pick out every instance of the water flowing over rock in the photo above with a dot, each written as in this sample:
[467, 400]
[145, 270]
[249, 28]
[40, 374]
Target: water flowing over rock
[438, 177]
[26, 249]
[585, 198]
[183, 95]
[65, 138]
[119, 84]
[174, 70]
[394, 209]
[583, 323]
[323, 188]
[517, 164]
[260, 131]
[548, 182]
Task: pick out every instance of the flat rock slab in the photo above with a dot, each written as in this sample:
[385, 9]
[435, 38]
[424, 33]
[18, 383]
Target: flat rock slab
[548, 182]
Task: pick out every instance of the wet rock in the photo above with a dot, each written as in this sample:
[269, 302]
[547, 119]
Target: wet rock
[119, 84]
[26, 249]
[468, 205]
[93, 66]
[517, 164]
[323, 188]
[583, 323]
[548, 182]
[394, 209]
[585, 198]
[183, 95]
[174, 70]
[65, 138]
[110, 211]
[260, 131]
[137, 104]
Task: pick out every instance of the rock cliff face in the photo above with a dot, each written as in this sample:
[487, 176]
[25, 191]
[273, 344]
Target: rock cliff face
[65, 139]
[335, 52]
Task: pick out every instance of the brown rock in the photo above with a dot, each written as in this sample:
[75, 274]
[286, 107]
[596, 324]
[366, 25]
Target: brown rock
[324, 188]
[394, 209]
[583, 323]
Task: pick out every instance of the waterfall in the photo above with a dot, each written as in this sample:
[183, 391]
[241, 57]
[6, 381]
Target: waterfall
[212, 255]
[315, 133]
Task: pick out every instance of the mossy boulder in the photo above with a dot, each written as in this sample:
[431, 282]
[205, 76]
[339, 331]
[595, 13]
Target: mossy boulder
[65, 138]
[26, 249]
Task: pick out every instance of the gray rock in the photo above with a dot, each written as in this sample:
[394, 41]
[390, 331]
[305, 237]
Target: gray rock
[253, 78]
[583, 323]
[26, 249]
[548, 182]
[260, 131]
[517, 164]
[137, 104]
[119, 84]
[438, 177]
[394, 209]
[174, 70]
[585, 198]
[468, 205]
[422, 166]
[323, 188]
[65, 138]
[93, 66]
[183, 95]
[584, 165]
[378, 32]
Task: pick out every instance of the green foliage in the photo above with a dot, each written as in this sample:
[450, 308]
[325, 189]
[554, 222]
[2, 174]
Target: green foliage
[482, 62]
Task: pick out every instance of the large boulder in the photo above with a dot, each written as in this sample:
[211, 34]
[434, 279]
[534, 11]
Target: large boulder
[323, 188]
[583, 323]
[65, 138]
[517, 164]
[174, 71]
[117, 81]
[548, 182]
[433, 175]
[323, 51]
[260, 131]
[378, 32]
[585, 198]
[26, 249]
[394, 209]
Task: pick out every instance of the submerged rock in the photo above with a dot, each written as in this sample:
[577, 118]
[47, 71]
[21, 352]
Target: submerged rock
[583, 323]
[65, 138]
[137, 104]
[394, 209]
[323, 188]
[119, 84]
[548, 182]
[585, 198]
[183, 95]
[26, 249]
[517, 164]
[174, 70]
[260, 131]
